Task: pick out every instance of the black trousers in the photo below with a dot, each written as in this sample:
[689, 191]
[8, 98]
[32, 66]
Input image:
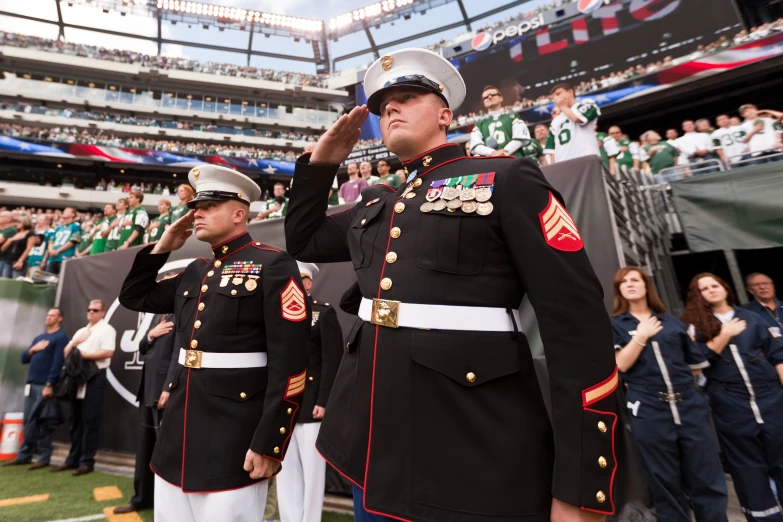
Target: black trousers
[84, 424]
[143, 477]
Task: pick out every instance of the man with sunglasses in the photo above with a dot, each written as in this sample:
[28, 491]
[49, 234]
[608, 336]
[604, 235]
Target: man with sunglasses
[95, 342]
[501, 132]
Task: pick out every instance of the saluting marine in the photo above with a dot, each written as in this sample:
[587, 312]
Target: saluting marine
[436, 412]
[243, 322]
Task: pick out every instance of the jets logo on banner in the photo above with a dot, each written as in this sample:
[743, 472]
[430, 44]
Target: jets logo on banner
[292, 302]
[559, 228]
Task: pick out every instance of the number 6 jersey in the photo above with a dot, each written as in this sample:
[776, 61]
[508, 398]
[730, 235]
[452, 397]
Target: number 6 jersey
[569, 140]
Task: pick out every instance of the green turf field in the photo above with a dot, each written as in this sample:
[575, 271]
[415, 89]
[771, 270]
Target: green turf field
[70, 497]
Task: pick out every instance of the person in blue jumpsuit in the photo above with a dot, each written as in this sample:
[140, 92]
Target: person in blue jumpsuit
[765, 302]
[669, 420]
[745, 388]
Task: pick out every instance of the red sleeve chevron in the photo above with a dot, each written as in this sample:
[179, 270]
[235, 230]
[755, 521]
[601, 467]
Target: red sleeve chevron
[559, 228]
[292, 303]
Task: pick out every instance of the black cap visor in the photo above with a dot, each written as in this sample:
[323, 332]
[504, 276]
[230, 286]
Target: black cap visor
[415, 81]
[215, 195]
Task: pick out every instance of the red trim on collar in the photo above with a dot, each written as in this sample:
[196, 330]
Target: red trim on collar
[229, 240]
[405, 163]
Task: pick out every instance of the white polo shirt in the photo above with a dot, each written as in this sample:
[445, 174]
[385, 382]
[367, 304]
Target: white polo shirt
[102, 337]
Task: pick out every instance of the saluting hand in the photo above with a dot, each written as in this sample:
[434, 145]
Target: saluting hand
[336, 144]
[733, 328]
[259, 466]
[176, 235]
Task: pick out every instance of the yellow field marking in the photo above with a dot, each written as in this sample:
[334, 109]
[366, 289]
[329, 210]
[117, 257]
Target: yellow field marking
[23, 500]
[106, 493]
[126, 517]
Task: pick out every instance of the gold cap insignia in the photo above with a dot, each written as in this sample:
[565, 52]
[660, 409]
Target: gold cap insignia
[386, 62]
[196, 173]
[440, 88]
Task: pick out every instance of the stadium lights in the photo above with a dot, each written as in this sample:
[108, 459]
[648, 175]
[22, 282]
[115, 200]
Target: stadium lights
[370, 11]
[236, 14]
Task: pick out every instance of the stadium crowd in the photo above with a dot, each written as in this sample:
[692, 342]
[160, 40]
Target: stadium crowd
[161, 62]
[74, 135]
[127, 119]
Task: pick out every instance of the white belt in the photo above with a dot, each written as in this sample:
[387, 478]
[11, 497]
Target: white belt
[199, 359]
[395, 314]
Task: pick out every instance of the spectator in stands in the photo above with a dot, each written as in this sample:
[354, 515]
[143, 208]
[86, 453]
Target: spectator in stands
[159, 223]
[628, 156]
[63, 244]
[135, 222]
[351, 190]
[101, 229]
[185, 193]
[401, 174]
[7, 230]
[17, 247]
[95, 342]
[43, 232]
[661, 154]
[572, 132]
[365, 170]
[385, 176]
[45, 357]
[728, 140]
[744, 388]
[85, 245]
[762, 132]
[765, 302]
[114, 229]
[697, 144]
[541, 133]
[277, 206]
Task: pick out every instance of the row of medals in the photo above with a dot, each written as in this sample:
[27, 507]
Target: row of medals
[469, 200]
[238, 279]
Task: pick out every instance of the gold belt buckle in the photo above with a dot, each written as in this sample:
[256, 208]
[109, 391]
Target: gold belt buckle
[385, 313]
[193, 359]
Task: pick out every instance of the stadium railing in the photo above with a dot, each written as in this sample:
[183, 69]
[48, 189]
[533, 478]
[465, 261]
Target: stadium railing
[694, 169]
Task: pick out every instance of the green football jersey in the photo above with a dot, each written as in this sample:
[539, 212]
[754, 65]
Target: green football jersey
[503, 127]
[177, 212]
[113, 241]
[136, 216]
[155, 233]
[626, 157]
[532, 151]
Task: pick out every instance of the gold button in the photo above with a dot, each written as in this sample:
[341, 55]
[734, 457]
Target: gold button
[601, 427]
[197, 325]
[217, 264]
[171, 384]
[600, 497]
[602, 462]
[233, 292]
[282, 431]
[391, 257]
[224, 249]
[364, 221]
[194, 343]
[276, 450]
[243, 395]
[210, 273]
[399, 207]
[185, 292]
[471, 377]
[258, 243]
[395, 232]
[386, 283]
[309, 378]
[417, 183]
[201, 307]
[289, 411]
[204, 288]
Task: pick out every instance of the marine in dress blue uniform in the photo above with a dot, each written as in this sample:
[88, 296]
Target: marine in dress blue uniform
[746, 397]
[670, 422]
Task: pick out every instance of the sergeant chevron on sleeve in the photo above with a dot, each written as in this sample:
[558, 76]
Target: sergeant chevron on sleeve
[436, 413]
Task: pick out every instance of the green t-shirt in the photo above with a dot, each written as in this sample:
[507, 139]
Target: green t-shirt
[177, 212]
[63, 235]
[504, 127]
[662, 159]
[392, 180]
[113, 241]
[136, 216]
[532, 151]
[278, 214]
[98, 241]
[6, 233]
[155, 233]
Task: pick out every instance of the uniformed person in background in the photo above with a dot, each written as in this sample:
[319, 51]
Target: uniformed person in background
[243, 324]
[744, 384]
[436, 413]
[501, 132]
[765, 302]
[300, 485]
[669, 419]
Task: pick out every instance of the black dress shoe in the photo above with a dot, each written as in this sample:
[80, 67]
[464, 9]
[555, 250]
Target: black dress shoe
[61, 467]
[82, 470]
[37, 465]
[14, 463]
[127, 508]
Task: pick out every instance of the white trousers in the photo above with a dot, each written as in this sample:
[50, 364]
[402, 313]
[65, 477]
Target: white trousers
[300, 484]
[237, 505]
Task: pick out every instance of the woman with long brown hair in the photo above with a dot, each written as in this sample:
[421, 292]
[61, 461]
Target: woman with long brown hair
[744, 386]
[185, 193]
[669, 420]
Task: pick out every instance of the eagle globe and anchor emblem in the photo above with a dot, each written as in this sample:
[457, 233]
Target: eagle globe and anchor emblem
[124, 373]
